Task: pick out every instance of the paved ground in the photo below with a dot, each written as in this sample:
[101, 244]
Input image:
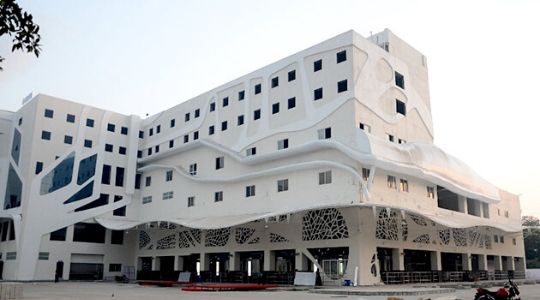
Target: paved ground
[89, 290]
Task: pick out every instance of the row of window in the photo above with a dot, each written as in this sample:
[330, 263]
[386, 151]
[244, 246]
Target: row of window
[49, 113]
[172, 123]
[88, 233]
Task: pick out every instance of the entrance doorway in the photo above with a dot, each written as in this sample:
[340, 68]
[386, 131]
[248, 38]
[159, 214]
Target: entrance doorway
[285, 260]
[451, 261]
[417, 260]
[252, 262]
[86, 267]
[166, 268]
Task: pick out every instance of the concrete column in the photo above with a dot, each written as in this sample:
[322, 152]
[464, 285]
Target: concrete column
[205, 262]
[436, 264]
[519, 265]
[155, 263]
[497, 262]
[178, 263]
[301, 261]
[398, 259]
[482, 262]
[462, 204]
[510, 266]
[466, 261]
[234, 262]
[269, 261]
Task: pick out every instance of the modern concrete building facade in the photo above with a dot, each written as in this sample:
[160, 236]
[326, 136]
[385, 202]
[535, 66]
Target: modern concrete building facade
[322, 160]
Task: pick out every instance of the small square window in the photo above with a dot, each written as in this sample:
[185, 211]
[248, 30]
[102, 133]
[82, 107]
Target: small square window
[108, 148]
[193, 169]
[225, 102]
[70, 118]
[122, 150]
[48, 113]
[291, 103]
[191, 201]
[256, 114]
[124, 130]
[317, 94]
[283, 185]
[88, 143]
[197, 113]
[68, 139]
[400, 80]
[251, 151]
[218, 196]
[39, 167]
[401, 141]
[241, 95]
[46, 135]
[401, 107]
[195, 135]
[275, 82]
[257, 89]
[324, 133]
[211, 130]
[240, 120]
[212, 106]
[283, 144]
[364, 127]
[169, 175]
[220, 162]
[317, 65]
[171, 143]
[223, 125]
[341, 56]
[342, 86]
[291, 75]
[186, 138]
[89, 123]
[173, 123]
[275, 108]
[250, 191]
[186, 117]
[110, 127]
[325, 177]
[391, 138]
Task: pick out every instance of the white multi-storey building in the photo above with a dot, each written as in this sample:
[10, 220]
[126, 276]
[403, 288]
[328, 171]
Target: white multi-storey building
[322, 160]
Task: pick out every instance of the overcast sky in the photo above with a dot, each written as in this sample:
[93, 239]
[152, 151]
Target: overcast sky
[139, 57]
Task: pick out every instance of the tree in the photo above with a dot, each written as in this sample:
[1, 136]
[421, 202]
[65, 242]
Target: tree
[531, 237]
[20, 25]
[530, 221]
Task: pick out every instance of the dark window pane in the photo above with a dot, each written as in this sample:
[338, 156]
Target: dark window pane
[275, 108]
[108, 147]
[275, 82]
[87, 169]
[106, 174]
[341, 56]
[89, 233]
[48, 113]
[89, 123]
[317, 65]
[46, 135]
[58, 235]
[401, 107]
[68, 139]
[291, 75]
[110, 127]
[318, 94]
[88, 143]
[400, 80]
[240, 120]
[241, 95]
[257, 89]
[291, 103]
[59, 177]
[70, 118]
[119, 181]
[117, 237]
[124, 130]
[39, 167]
[342, 86]
[257, 114]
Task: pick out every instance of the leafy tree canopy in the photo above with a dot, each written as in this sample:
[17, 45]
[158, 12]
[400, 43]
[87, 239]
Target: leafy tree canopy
[19, 25]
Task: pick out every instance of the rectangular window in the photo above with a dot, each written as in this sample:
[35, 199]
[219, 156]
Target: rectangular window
[506, 214]
[325, 177]
[317, 65]
[256, 114]
[317, 94]
[291, 103]
[70, 118]
[401, 141]
[514, 241]
[211, 130]
[193, 169]
[257, 89]
[191, 201]
[275, 82]
[141, 134]
[223, 125]
[364, 127]
[139, 154]
[225, 102]
[146, 199]
[123, 130]
[186, 138]
[89, 123]
[138, 177]
[68, 139]
[400, 80]
[283, 144]
[391, 137]
[403, 185]
[11, 255]
[169, 175]
[250, 191]
[325, 133]
[173, 123]
[148, 181]
[89, 233]
[401, 107]
[251, 151]
[341, 56]
[48, 113]
[218, 196]
[119, 180]
[342, 86]
[171, 143]
[58, 235]
[106, 174]
[186, 117]
[88, 143]
[149, 151]
[4, 231]
[212, 106]
[120, 212]
[220, 162]
[195, 135]
[39, 167]
[283, 185]
[122, 150]
[365, 174]
[391, 182]
[117, 237]
[46, 135]
[430, 192]
[197, 113]
[275, 108]
[501, 239]
[291, 75]
[240, 120]
[115, 267]
[151, 132]
[156, 148]
[20, 121]
[241, 95]
[496, 238]
[111, 127]
[158, 129]
[43, 256]
[168, 195]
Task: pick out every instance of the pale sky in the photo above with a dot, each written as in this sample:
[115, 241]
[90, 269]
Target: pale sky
[139, 57]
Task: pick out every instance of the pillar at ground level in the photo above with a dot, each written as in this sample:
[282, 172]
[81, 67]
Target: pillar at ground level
[436, 264]
[398, 259]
